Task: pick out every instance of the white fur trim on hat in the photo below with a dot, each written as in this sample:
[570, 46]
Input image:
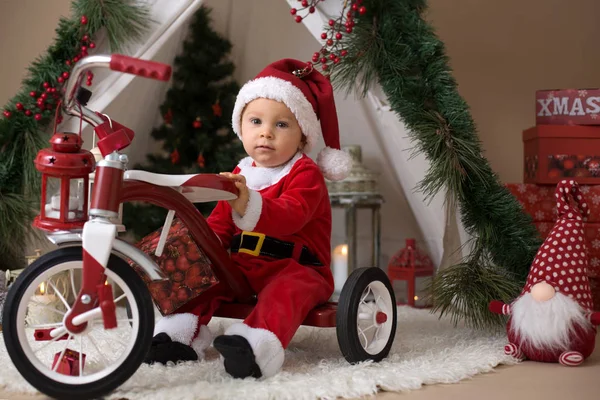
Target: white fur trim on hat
[267, 348]
[335, 164]
[269, 87]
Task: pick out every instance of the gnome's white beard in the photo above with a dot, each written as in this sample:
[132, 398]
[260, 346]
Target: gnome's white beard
[548, 324]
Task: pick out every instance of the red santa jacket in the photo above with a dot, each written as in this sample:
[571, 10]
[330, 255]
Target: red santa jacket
[289, 203]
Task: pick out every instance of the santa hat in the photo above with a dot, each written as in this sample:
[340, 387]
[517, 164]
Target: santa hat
[309, 95]
[562, 260]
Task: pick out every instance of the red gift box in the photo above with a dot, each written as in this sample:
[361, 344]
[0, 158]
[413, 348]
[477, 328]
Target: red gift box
[568, 107]
[554, 152]
[188, 269]
[69, 364]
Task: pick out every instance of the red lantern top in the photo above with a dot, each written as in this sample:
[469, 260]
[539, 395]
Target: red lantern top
[65, 158]
[410, 258]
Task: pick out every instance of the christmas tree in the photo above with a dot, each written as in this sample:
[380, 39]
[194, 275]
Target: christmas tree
[196, 131]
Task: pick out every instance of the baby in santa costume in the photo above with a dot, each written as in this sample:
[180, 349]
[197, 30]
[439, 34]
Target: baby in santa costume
[278, 229]
[552, 319]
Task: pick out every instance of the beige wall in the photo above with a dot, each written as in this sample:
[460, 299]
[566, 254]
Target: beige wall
[501, 52]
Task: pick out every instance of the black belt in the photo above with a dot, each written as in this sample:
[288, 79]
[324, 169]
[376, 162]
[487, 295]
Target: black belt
[259, 244]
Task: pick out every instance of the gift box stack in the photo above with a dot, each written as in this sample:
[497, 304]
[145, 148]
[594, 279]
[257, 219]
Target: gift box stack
[564, 143]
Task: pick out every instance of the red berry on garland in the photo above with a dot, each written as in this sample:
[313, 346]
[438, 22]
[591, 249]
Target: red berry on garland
[293, 11]
[200, 161]
[28, 113]
[315, 57]
[337, 60]
[33, 94]
[85, 38]
[304, 3]
[354, 7]
[46, 85]
[362, 10]
[83, 49]
[89, 82]
[311, 10]
[324, 66]
[84, 20]
[329, 42]
[323, 35]
[19, 106]
[92, 45]
[174, 157]
[331, 22]
[343, 53]
[349, 30]
[168, 117]
[53, 90]
[7, 113]
[332, 56]
[38, 117]
[68, 62]
[217, 110]
[298, 19]
[65, 75]
[197, 124]
[338, 36]
[60, 79]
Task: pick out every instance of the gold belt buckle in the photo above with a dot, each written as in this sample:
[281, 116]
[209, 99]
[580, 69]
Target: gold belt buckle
[257, 248]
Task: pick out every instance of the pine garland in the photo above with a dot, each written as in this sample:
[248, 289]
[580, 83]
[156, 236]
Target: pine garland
[394, 46]
[24, 129]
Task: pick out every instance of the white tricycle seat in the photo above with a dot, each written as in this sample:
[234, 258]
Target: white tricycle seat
[197, 188]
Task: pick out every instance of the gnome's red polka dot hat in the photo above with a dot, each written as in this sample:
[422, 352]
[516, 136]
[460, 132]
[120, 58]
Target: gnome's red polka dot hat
[309, 95]
[562, 260]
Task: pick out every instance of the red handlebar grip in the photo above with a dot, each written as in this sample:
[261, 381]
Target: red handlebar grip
[145, 68]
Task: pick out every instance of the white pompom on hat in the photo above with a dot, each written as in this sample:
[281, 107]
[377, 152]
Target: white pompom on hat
[309, 95]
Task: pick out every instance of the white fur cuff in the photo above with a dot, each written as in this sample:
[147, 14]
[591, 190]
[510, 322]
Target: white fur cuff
[253, 210]
[179, 327]
[202, 341]
[267, 348]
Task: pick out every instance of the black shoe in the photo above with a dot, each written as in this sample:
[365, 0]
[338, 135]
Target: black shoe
[239, 357]
[163, 350]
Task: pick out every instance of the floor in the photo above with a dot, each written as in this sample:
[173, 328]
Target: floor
[527, 380]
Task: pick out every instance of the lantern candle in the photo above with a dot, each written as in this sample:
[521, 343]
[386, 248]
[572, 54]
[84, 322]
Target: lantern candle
[340, 266]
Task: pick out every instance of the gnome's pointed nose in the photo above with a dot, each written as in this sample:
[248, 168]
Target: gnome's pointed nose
[542, 292]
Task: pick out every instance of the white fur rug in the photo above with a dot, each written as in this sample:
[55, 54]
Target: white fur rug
[426, 351]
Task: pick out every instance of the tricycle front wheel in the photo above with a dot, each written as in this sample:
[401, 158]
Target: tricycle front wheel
[38, 301]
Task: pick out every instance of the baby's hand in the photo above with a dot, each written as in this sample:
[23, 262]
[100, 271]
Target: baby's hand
[239, 204]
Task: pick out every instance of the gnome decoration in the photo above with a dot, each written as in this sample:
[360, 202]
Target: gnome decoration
[552, 319]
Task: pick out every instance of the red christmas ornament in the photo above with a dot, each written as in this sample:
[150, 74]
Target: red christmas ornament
[175, 157]
[33, 94]
[7, 113]
[217, 110]
[28, 113]
[197, 123]
[293, 11]
[19, 106]
[65, 75]
[84, 20]
[298, 19]
[38, 117]
[46, 85]
[168, 117]
[200, 161]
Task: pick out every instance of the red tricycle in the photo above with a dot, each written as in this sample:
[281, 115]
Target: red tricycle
[79, 321]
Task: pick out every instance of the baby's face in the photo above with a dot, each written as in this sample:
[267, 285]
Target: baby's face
[270, 132]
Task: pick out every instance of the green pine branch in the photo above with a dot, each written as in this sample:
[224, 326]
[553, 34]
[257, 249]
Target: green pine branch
[393, 45]
[22, 136]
